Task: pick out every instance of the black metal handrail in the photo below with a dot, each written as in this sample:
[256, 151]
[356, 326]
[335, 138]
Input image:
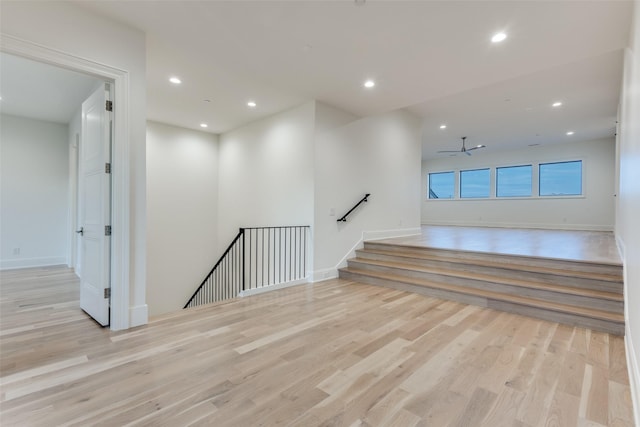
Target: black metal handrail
[208, 289]
[258, 257]
[364, 199]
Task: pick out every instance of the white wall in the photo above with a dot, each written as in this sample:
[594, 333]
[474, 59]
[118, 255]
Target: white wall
[182, 219]
[628, 208]
[72, 29]
[594, 211]
[266, 173]
[34, 178]
[378, 155]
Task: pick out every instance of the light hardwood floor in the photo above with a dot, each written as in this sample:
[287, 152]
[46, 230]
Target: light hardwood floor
[334, 353]
[574, 245]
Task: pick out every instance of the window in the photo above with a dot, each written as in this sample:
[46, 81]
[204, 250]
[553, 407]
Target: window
[441, 185]
[514, 181]
[561, 179]
[475, 183]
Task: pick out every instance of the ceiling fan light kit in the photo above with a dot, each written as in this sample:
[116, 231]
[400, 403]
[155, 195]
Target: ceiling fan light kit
[464, 149]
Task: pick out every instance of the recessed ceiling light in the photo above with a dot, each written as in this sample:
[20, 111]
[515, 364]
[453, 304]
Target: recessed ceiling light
[207, 100]
[570, 133]
[498, 37]
[252, 104]
[556, 104]
[204, 125]
[533, 145]
[175, 80]
[443, 126]
[369, 84]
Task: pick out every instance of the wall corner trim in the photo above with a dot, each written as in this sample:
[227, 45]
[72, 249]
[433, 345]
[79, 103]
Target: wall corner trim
[138, 315]
[634, 374]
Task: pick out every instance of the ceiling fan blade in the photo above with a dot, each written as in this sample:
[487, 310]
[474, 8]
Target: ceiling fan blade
[464, 149]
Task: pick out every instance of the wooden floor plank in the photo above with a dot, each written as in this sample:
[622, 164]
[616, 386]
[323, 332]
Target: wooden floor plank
[334, 353]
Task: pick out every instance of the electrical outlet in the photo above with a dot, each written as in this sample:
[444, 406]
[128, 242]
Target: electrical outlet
[16, 251]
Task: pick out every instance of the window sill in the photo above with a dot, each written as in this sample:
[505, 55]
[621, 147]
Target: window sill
[469, 199]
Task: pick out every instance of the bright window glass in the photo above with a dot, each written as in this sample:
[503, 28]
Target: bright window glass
[561, 178]
[514, 181]
[475, 183]
[441, 185]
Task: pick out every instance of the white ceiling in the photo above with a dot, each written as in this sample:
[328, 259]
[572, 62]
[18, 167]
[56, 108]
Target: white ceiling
[41, 91]
[432, 57]
[517, 112]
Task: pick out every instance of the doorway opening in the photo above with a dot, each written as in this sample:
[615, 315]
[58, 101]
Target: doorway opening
[120, 204]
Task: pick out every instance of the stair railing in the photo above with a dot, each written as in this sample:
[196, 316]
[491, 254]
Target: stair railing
[257, 257]
[225, 279]
[363, 200]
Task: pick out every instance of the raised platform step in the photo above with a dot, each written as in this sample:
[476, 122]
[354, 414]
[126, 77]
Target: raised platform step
[600, 320]
[598, 299]
[599, 270]
[574, 292]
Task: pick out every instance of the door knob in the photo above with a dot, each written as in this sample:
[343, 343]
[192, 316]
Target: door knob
[81, 231]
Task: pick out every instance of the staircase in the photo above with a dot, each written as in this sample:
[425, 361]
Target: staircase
[577, 293]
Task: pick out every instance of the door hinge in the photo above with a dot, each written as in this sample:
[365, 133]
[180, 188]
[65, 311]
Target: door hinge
[107, 230]
[107, 292]
[109, 106]
[107, 168]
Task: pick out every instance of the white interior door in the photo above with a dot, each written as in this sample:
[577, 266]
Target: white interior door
[95, 206]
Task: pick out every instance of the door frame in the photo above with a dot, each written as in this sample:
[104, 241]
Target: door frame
[120, 173]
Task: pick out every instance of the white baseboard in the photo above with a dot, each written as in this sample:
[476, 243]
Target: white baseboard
[275, 287]
[12, 264]
[576, 227]
[332, 273]
[325, 274]
[376, 235]
[388, 234]
[634, 373]
[138, 315]
[633, 368]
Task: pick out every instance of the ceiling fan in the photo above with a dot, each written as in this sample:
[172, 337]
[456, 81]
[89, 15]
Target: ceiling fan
[464, 149]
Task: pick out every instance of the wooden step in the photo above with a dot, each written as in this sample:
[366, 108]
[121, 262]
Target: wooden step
[596, 319]
[613, 282]
[596, 270]
[591, 298]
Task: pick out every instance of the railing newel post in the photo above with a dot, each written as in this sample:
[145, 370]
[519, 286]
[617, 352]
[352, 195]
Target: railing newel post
[243, 258]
